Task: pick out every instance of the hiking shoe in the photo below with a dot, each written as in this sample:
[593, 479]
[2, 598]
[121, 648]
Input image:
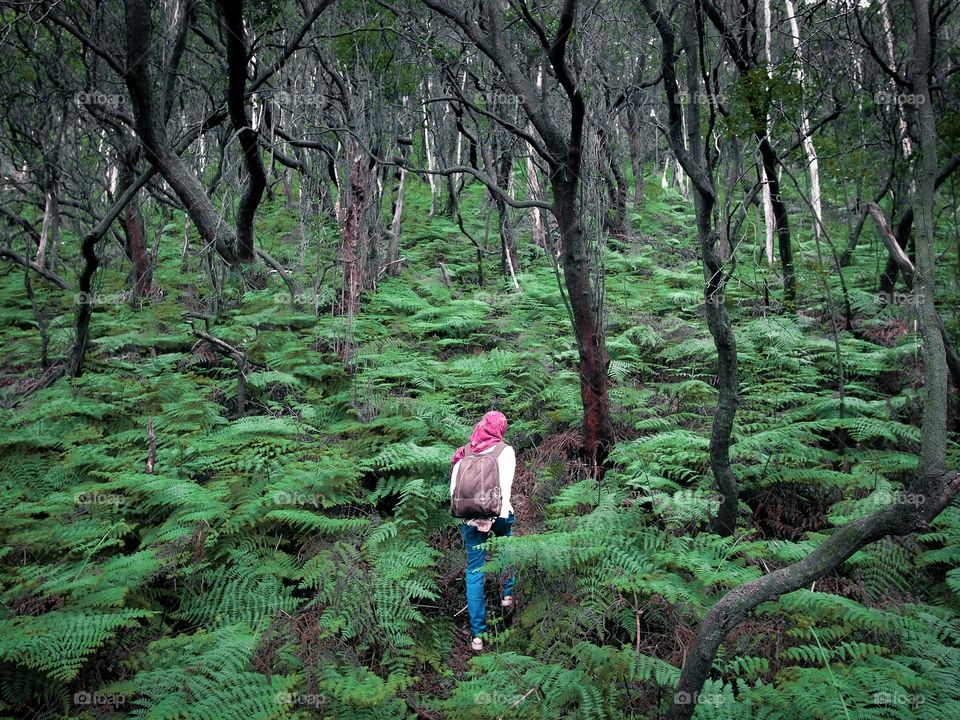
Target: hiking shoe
[507, 602]
[476, 644]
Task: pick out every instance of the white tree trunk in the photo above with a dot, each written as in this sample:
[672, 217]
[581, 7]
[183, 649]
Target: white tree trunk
[813, 163]
[769, 223]
[45, 230]
[905, 141]
[534, 188]
[430, 150]
[397, 213]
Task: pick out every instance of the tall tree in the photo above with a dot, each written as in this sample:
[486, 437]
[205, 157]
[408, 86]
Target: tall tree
[739, 38]
[238, 56]
[560, 144]
[698, 163]
[151, 128]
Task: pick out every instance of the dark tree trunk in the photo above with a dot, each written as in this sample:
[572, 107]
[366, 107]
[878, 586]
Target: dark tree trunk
[562, 141]
[770, 160]
[84, 302]
[636, 154]
[83, 299]
[728, 376]
[616, 188]
[151, 132]
[598, 433]
[888, 280]
[497, 157]
[134, 228]
[237, 56]
[700, 171]
[508, 240]
[50, 233]
[392, 259]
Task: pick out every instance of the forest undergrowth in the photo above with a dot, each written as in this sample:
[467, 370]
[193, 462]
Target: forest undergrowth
[292, 554]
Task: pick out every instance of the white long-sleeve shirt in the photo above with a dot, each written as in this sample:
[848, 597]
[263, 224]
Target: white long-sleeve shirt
[506, 466]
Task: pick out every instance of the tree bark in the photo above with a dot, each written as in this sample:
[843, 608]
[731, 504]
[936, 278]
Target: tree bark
[38, 269]
[617, 188]
[392, 264]
[890, 242]
[538, 218]
[429, 149]
[498, 162]
[813, 161]
[508, 239]
[134, 228]
[237, 57]
[888, 280]
[934, 446]
[636, 154]
[743, 53]
[562, 148]
[83, 299]
[769, 224]
[152, 134]
[781, 220]
[598, 431]
[350, 210]
[50, 230]
[691, 155]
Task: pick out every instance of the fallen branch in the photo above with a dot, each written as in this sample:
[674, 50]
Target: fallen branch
[392, 262]
[38, 269]
[890, 241]
[240, 356]
[268, 259]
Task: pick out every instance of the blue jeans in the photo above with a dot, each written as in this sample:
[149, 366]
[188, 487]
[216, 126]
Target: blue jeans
[475, 559]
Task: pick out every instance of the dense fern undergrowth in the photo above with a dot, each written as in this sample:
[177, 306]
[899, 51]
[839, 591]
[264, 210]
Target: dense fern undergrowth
[297, 559]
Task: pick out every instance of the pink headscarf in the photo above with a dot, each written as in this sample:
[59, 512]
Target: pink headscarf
[486, 433]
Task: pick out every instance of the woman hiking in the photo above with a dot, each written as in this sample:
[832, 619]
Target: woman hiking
[481, 496]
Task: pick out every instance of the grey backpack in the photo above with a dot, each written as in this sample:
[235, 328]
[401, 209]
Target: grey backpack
[476, 493]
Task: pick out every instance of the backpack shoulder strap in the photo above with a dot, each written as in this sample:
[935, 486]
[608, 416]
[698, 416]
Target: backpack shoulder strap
[497, 449]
